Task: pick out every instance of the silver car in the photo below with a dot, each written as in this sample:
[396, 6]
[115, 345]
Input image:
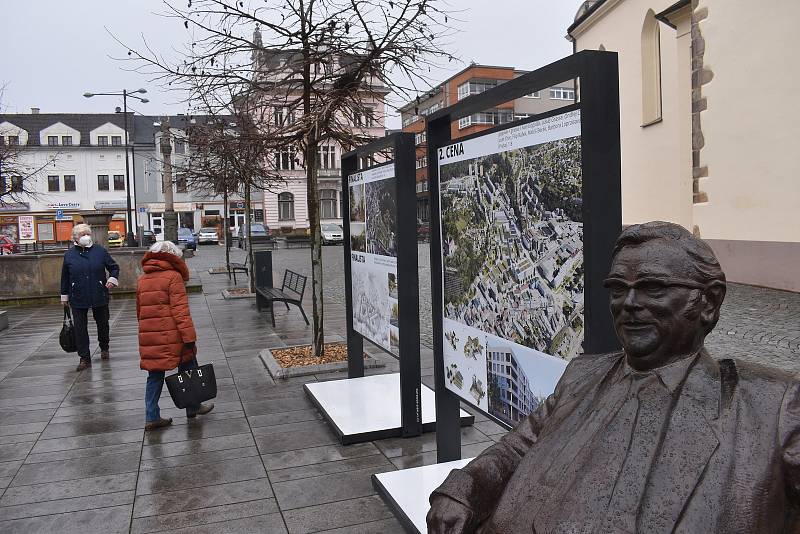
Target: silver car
[332, 234]
[207, 235]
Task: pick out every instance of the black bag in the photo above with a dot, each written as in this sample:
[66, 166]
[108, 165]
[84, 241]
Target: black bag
[193, 386]
[67, 336]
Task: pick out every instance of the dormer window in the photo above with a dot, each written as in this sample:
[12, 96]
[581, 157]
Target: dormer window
[116, 140]
[102, 140]
[52, 140]
[66, 140]
[13, 140]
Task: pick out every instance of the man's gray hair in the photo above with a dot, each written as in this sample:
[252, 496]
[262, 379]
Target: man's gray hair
[167, 246]
[706, 266]
[79, 229]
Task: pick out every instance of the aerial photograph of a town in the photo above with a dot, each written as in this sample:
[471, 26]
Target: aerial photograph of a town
[512, 239]
[381, 217]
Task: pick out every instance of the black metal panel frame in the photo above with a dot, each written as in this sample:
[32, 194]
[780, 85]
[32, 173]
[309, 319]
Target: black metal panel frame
[402, 148]
[602, 202]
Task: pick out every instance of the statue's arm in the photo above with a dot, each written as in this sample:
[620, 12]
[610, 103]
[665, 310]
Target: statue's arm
[478, 486]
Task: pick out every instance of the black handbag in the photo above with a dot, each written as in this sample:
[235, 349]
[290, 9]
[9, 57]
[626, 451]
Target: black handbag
[67, 336]
[193, 386]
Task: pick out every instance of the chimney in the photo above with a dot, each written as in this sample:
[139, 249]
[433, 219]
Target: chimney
[34, 111]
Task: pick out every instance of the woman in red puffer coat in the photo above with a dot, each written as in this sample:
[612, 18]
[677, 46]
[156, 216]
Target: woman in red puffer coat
[166, 331]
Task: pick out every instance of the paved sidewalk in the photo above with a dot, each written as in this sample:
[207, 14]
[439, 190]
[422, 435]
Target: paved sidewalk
[74, 457]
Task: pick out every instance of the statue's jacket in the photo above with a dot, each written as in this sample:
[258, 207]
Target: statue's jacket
[728, 460]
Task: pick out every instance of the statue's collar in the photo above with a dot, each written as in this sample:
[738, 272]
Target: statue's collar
[671, 375]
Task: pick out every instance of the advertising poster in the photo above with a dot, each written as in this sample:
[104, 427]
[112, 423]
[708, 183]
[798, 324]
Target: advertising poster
[25, 227]
[512, 256]
[373, 255]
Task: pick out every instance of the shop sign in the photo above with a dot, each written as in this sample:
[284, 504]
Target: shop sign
[110, 204]
[14, 206]
[25, 227]
[64, 206]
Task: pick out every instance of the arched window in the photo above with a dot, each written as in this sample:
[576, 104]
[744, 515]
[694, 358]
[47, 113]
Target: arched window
[327, 203]
[651, 70]
[286, 207]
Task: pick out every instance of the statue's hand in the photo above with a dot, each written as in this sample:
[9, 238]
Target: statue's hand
[448, 516]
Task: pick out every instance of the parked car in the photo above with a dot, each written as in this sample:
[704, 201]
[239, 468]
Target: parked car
[332, 234]
[115, 239]
[148, 238]
[256, 229]
[187, 238]
[7, 245]
[207, 235]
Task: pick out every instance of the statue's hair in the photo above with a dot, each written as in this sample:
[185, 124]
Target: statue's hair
[167, 246]
[706, 266]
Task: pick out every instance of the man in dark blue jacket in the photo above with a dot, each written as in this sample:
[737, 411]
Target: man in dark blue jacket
[84, 285]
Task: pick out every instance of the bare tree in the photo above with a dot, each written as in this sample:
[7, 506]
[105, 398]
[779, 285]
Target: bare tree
[311, 74]
[228, 154]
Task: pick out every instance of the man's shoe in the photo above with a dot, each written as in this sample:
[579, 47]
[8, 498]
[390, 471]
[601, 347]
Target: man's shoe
[161, 423]
[104, 355]
[204, 409]
[85, 364]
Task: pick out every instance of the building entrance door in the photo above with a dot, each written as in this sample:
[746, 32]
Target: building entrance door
[157, 223]
[236, 218]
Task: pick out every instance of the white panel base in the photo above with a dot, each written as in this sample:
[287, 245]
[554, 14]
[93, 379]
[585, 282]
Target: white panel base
[368, 408]
[407, 491]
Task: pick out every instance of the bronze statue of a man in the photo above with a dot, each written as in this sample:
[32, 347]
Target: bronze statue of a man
[657, 438]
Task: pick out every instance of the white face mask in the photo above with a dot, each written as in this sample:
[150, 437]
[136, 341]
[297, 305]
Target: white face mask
[85, 241]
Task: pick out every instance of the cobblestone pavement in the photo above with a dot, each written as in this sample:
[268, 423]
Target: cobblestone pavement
[74, 457]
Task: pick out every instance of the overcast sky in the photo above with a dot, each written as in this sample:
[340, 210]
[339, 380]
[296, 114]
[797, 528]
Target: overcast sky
[57, 50]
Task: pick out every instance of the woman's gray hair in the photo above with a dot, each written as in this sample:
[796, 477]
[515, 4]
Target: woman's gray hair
[167, 246]
[79, 229]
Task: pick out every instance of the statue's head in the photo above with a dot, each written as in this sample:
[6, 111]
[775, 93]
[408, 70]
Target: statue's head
[666, 290]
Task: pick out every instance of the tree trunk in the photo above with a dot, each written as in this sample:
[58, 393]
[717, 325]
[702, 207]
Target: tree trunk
[225, 231]
[170, 217]
[316, 248]
[249, 237]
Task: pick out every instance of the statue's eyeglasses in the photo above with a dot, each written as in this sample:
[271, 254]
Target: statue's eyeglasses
[650, 286]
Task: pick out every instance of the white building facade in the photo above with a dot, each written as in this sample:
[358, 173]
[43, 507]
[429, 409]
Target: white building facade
[81, 158]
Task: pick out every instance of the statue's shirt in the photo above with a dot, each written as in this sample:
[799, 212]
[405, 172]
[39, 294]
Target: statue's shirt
[608, 469]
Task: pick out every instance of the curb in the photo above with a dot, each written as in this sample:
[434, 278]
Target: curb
[276, 371]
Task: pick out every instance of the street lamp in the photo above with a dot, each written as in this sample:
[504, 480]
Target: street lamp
[130, 240]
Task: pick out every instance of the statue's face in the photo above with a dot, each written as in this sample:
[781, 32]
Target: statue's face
[656, 304]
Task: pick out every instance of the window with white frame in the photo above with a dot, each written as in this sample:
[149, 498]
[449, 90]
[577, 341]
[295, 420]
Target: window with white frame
[52, 140]
[286, 160]
[66, 140]
[420, 138]
[475, 87]
[53, 183]
[102, 140]
[365, 119]
[278, 116]
[562, 93]
[180, 146]
[326, 157]
[119, 182]
[285, 207]
[180, 183]
[487, 117]
[534, 94]
[13, 140]
[327, 203]
[422, 162]
[419, 187]
[69, 182]
[102, 182]
[116, 140]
